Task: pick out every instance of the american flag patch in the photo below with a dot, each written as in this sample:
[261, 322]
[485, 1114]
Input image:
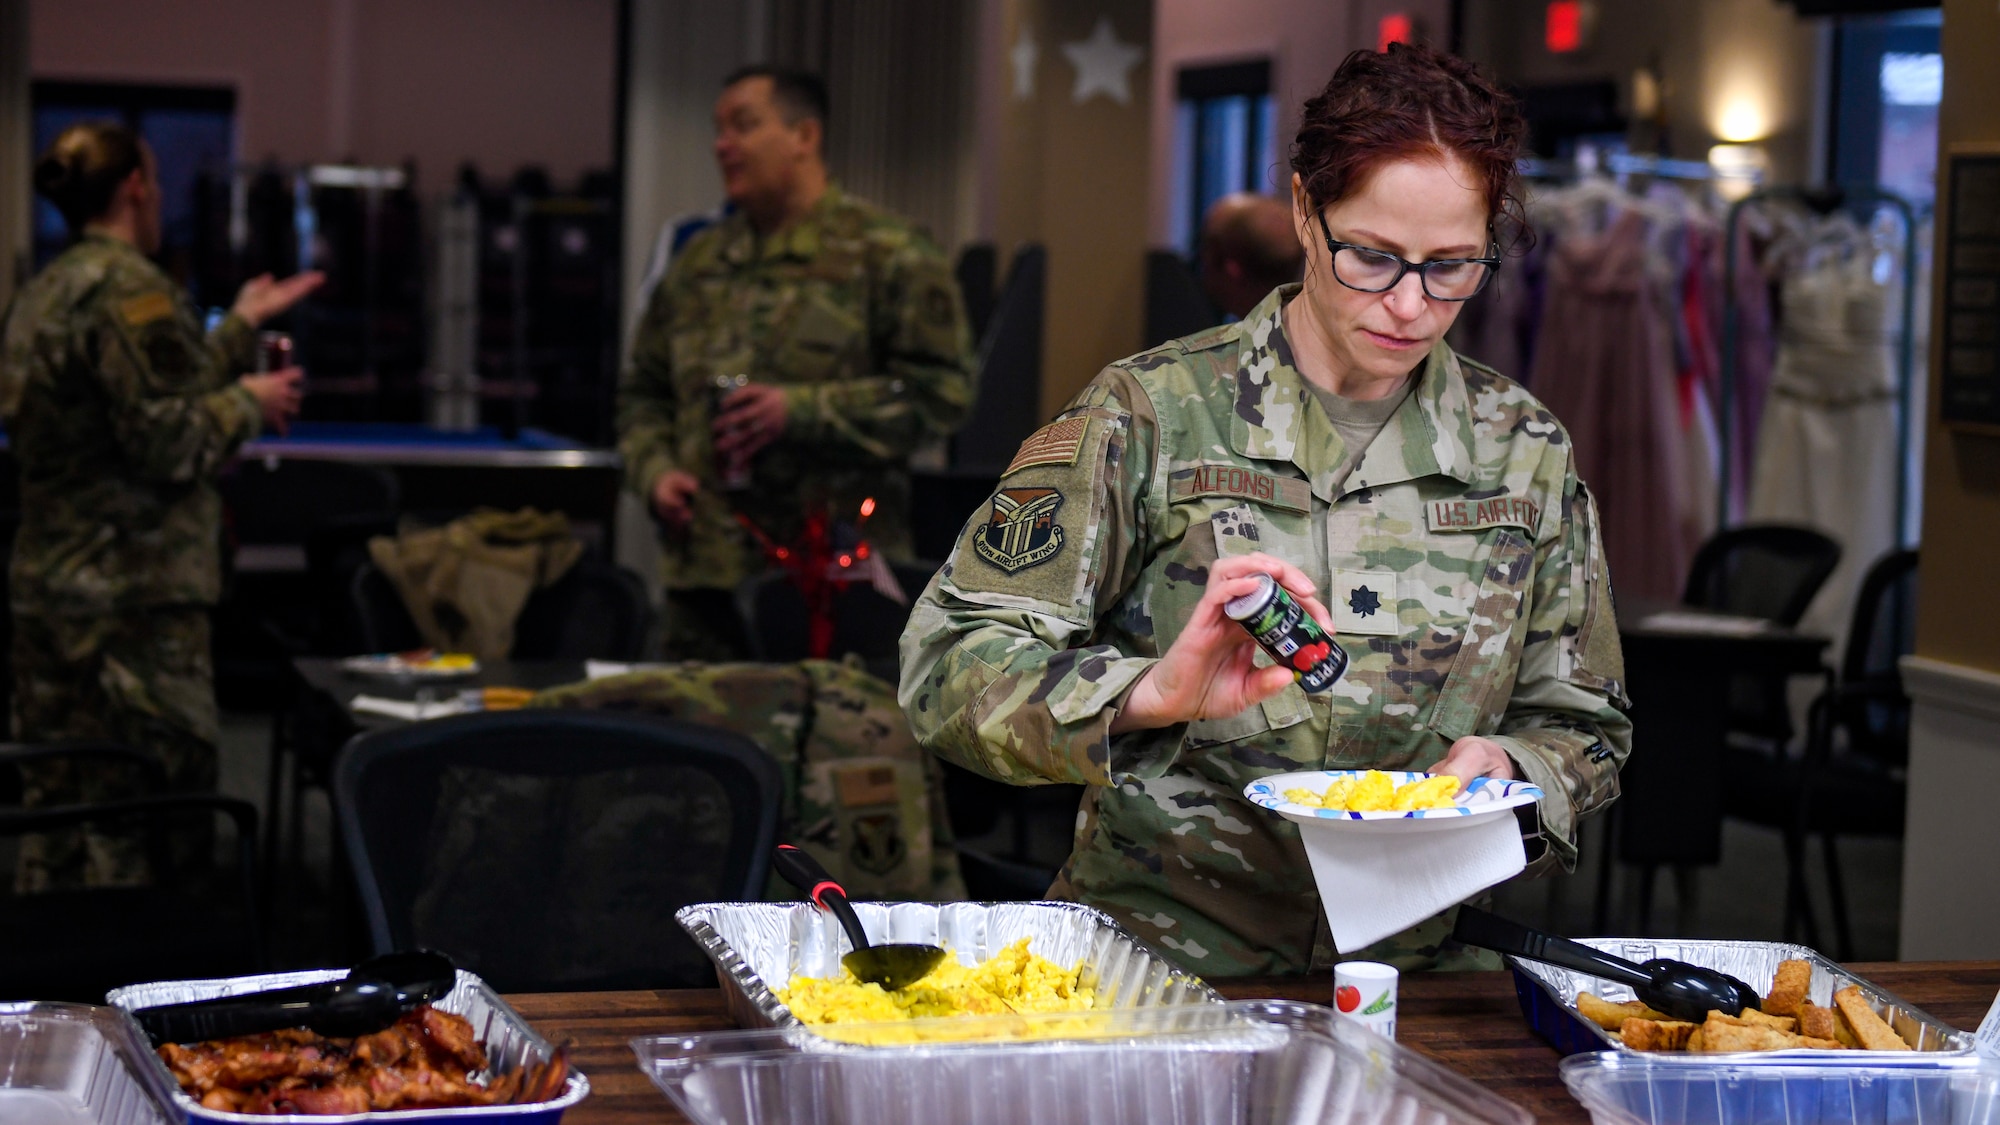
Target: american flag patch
[1054, 444]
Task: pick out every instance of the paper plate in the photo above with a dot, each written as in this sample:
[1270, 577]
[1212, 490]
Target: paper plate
[1380, 873]
[1483, 796]
[401, 666]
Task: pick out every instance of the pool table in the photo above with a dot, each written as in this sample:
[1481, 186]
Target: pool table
[442, 470]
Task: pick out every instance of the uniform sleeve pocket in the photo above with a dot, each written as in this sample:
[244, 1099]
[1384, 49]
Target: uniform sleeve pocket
[1488, 652]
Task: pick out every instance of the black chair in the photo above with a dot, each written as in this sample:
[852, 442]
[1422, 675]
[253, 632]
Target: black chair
[595, 611]
[549, 850]
[1176, 304]
[866, 623]
[977, 265]
[191, 920]
[1851, 779]
[321, 513]
[1761, 570]
[980, 807]
[1008, 406]
[942, 502]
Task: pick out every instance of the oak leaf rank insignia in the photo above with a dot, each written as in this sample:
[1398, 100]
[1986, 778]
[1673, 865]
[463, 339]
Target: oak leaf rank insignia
[1022, 530]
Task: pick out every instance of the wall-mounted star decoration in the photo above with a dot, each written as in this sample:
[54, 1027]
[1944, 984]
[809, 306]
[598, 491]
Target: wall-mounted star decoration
[1103, 64]
[1024, 55]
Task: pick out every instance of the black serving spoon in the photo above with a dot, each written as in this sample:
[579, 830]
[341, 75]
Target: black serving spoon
[1676, 988]
[891, 966]
[371, 997]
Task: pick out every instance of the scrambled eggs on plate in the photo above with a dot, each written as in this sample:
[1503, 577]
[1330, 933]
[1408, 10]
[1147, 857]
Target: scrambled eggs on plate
[1375, 792]
[1011, 982]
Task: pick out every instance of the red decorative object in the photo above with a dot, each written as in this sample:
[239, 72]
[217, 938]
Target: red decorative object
[1562, 29]
[819, 568]
[1396, 27]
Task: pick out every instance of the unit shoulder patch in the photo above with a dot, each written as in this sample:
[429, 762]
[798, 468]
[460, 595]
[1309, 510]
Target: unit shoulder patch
[1190, 482]
[1054, 444]
[1478, 515]
[1022, 530]
[146, 308]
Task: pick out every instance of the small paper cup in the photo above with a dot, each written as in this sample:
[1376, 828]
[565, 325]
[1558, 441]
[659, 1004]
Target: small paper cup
[1365, 991]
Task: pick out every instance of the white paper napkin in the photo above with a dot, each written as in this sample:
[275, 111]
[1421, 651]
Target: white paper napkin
[408, 710]
[1378, 878]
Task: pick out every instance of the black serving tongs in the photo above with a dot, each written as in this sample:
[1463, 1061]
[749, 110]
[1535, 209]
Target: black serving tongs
[1676, 988]
[891, 966]
[369, 998]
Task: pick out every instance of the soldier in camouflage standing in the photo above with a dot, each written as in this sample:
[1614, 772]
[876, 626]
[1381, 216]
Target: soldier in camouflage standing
[1424, 507]
[121, 415]
[792, 359]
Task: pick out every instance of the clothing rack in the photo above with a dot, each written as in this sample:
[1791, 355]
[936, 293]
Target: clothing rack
[1619, 164]
[1823, 201]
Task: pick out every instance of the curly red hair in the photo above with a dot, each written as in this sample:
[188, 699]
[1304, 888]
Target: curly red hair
[1411, 101]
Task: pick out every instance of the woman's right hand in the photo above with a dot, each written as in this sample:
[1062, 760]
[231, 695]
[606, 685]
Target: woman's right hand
[1208, 672]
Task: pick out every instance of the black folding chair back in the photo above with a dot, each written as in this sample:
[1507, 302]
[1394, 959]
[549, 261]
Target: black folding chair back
[192, 919]
[597, 611]
[1761, 570]
[382, 622]
[866, 623]
[548, 850]
[1872, 708]
[1850, 780]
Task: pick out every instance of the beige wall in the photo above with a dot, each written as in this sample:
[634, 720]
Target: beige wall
[1074, 178]
[498, 82]
[1304, 39]
[16, 134]
[1958, 618]
[1710, 54]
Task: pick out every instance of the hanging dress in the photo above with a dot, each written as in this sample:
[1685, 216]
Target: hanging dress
[1604, 365]
[1826, 450]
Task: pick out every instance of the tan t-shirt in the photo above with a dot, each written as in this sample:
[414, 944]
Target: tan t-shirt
[1358, 421]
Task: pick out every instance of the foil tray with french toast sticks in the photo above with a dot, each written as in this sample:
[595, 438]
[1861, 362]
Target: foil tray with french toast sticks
[1810, 1006]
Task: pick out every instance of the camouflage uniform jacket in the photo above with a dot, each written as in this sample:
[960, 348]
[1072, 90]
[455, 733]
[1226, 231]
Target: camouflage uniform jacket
[850, 309]
[1461, 561]
[121, 416]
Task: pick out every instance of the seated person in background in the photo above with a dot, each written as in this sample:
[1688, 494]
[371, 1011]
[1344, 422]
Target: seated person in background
[1247, 250]
[860, 794]
[793, 358]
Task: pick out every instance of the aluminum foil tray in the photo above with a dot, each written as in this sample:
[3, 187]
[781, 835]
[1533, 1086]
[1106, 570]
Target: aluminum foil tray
[72, 1064]
[1548, 1000]
[508, 1039]
[756, 945]
[1643, 1089]
[1252, 1062]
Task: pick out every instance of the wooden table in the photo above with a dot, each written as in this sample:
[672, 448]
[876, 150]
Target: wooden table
[1468, 1021]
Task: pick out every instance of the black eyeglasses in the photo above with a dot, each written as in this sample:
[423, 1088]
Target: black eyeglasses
[1378, 271]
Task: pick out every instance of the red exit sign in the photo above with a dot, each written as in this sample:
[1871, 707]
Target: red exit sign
[1396, 27]
[1566, 26]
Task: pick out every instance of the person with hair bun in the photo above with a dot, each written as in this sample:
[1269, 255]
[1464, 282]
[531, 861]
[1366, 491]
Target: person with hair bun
[121, 414]
[1423, 507]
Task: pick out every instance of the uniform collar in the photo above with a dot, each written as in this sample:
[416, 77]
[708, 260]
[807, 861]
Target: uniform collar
[797, 242]
[1276, 417]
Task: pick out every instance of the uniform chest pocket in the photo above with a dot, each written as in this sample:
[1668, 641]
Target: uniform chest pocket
[1241, 529]
[821, 335]
[1484, 643]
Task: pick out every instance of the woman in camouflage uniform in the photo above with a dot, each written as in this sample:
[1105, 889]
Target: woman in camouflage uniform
[121, 415]
[1422, 505]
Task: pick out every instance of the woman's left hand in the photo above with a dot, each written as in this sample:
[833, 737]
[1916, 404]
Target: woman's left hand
[1472, 757]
